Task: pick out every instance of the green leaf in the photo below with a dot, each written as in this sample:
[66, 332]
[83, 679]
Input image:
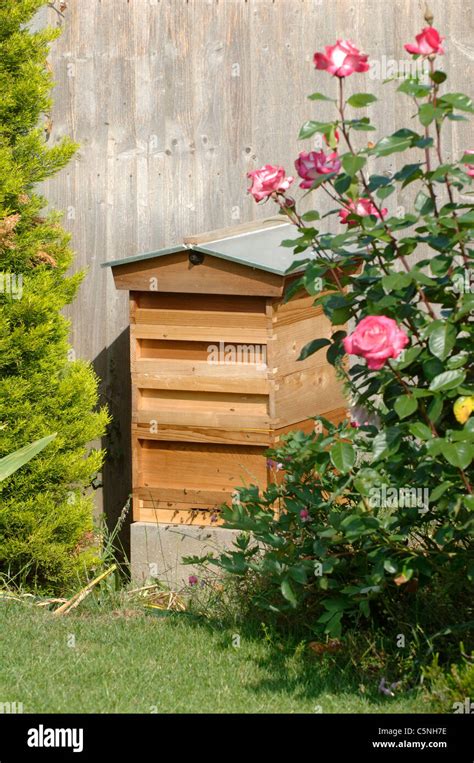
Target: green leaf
[395, 281]
[391, 145]
[383, 193]
[378, 181]
[432, 367]
[420, 431]
[456, 361]
[389, 566]
[438, 76]
[405, 358]
[320, 180]
[418, 392]
[334, 353]
[298, 573]
[413, 88]
[458, 101]
[310, 128]
[312, 347]
[288, 593]
[360, 124]
[11, 463]
[459, 454]
[319, 97]
[427, 113]
[359, 100]
[352, 164]
[423, 203]
[456, 117]
[405, 406]
[435, 446]
[438, 491]
[386, 443]
[342, 456]
[435, 409]
[422, 278]
[442, 339]
[342, 183]
[447, 380]
[408, 174]
[440, 264]
[290, 242]
[310, 216]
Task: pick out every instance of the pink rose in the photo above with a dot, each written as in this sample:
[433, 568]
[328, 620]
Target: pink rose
[268, 180]
[341, 59]
[428, 43]
[363, 208]
[469, 168]
[310, 165]
[376, 338]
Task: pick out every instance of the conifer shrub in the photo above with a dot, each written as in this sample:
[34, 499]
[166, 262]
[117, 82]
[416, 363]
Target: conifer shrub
[45, 512]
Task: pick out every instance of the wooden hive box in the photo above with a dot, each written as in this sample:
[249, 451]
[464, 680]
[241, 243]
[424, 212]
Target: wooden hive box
[215, 375]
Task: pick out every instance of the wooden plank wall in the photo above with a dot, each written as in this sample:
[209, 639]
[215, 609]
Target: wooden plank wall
[173, 101]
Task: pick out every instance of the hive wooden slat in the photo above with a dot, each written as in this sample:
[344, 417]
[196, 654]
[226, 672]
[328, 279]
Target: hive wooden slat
[207, 373]
[207, 419]
[190, 496]
[308, 425]
[209, 383]
[227, 436]
[215, 376]
[190, 333]
[200, 310]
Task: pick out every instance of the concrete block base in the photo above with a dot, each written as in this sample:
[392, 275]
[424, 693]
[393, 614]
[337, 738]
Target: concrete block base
[157, 549]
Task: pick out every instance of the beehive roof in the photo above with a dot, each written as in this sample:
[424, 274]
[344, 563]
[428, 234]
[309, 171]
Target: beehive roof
[257, 245]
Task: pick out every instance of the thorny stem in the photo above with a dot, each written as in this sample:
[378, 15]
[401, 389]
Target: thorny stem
[440, 159]
[428, 155]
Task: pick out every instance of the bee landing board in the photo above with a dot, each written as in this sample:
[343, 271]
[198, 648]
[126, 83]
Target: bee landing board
[214, 366]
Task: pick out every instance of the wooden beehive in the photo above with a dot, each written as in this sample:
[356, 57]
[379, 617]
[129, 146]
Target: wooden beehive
[215, 375]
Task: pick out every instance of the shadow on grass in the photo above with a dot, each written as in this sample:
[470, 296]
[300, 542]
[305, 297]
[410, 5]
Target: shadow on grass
[287, 665]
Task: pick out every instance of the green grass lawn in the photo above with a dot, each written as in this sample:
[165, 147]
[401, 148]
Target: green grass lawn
[136, 662]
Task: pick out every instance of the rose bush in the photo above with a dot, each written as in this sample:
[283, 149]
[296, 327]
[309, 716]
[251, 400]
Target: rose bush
[381, 511]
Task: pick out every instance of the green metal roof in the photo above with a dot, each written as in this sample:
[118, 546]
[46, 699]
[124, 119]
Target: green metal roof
[259, 249]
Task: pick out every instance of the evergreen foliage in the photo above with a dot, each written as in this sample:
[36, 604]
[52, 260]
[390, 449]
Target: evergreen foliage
[45, 514]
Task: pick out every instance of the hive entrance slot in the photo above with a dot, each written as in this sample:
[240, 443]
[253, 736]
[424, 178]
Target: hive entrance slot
[216, 354]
